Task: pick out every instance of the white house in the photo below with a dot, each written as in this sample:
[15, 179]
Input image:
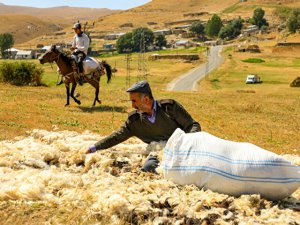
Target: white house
[11, 53]
[162, 32]
[24, 55]
[183, 43]
[113, 36]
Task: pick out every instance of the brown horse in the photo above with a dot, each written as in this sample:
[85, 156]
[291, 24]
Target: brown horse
[66, 66]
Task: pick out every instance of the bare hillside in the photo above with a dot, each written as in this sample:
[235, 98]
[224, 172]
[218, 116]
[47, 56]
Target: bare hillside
[160, 14]
[28, 23]
[64, 14]
[25, 28]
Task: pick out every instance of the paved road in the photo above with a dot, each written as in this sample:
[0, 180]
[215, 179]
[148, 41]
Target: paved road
[188, 82]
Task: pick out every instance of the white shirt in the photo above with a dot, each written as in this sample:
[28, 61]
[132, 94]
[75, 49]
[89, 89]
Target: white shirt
[82, 43]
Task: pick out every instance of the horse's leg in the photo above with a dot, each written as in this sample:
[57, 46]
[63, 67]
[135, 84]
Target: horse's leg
[68, 94]
[95, 84]
[74, 84]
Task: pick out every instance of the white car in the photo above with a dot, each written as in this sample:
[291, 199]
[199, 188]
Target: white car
[252, 79]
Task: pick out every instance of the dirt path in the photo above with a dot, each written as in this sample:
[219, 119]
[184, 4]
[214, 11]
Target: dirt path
[188, 81]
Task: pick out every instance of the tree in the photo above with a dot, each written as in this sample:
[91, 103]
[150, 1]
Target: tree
[232, 29]
[258, 18]
[293, 23]
[124, 43]
[198, 29]
[6, 42]
[213, 26]
[142, 38]
[160, 41]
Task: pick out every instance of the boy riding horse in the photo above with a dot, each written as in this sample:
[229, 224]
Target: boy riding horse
[80, 45]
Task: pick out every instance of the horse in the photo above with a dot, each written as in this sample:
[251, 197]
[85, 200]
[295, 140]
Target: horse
[66, 67]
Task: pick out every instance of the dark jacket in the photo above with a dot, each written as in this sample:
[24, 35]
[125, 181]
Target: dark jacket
[170, 115]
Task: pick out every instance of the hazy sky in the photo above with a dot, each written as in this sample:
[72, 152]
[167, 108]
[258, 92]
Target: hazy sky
[111, 4]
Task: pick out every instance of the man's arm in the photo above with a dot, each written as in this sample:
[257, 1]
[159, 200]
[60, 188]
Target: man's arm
[184, 119]
[115, 138]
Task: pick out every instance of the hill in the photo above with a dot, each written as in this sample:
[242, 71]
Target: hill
[64, 14]
[25, 28]
[160, 14]
[27, 23]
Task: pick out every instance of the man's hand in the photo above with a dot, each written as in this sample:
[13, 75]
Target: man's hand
[88, 151]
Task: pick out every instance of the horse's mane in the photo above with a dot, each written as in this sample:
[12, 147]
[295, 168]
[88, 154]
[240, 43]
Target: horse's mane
[66, 57]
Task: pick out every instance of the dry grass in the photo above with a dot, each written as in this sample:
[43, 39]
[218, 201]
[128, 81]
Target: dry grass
[26, 108]
[265, 114]
[224, 107]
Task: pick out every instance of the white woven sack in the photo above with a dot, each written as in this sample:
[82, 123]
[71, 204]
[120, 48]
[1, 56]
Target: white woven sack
[228, 167]
[90, 65]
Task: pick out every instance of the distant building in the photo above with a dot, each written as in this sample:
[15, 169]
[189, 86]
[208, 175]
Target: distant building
[212, 43]
[162, 32]
[11, 53]
[113, 36]
[108, 46]
[186, 26]
[178, 31]
[45, 48]
[24, 55]
[250, 30]
[183, 43]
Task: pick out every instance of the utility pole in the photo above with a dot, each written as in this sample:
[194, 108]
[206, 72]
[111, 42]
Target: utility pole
[128, 59]
[142, 65]
[207, 63]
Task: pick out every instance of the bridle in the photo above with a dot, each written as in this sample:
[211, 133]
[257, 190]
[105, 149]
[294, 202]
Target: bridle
[55, 58]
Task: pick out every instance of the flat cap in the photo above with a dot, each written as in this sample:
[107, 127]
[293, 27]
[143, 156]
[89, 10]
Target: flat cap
[76, 26]
[141, 87]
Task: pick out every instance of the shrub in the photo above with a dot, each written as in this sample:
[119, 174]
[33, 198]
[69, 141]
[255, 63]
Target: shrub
[253, 60]
[21, 73]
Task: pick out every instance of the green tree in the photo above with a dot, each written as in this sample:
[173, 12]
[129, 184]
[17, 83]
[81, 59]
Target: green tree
[258, 18]
[213, 26]
[198, 29]
[293, 23]
[232, 29]
[142, 38]
[160, 41]
[124, 43]
[6, 42]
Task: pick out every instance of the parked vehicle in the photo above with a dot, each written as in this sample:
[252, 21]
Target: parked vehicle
[252, 79]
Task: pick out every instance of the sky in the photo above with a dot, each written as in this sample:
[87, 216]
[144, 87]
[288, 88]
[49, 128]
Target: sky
[111, 4]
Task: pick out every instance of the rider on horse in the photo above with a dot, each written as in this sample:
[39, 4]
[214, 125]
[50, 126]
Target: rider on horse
[80, 45]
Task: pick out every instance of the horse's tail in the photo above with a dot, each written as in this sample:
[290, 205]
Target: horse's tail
[108, 70]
